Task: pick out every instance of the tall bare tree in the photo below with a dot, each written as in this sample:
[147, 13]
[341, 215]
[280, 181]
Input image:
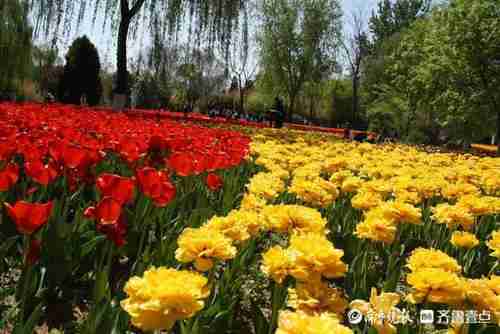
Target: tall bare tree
[356, 47]
[242, 64]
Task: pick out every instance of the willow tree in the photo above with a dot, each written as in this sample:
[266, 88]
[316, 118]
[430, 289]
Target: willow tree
[210, 21]
[298, 44]
[15, 44]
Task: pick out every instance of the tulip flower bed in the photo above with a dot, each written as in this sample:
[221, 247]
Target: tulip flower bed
[196, 118]
[136, 224]
[492, 149]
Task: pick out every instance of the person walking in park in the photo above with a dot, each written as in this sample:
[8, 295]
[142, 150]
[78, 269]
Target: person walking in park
[278, 113]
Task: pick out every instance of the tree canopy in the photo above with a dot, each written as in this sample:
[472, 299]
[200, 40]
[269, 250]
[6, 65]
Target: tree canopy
[299, 42]
[394, 16]
[211, 21]
[15, 44]
[81, 74]
[217, 18]
[440, 74]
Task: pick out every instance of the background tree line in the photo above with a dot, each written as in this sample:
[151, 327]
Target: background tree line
[432, 74]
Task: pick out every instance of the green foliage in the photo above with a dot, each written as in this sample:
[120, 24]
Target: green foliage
[340, 98]
[376, 67]
[148, 93]
[388, 113]
[467, 41]
[216, 18]
[395, 16]
[439, 76]
[47, 69]
[193, 76]
[208, 21]
[298, 43]
[258, 103]
[15, 45]
[390, 100]
[201, 74]
[107, 86]
[81, 74]
[445, 68]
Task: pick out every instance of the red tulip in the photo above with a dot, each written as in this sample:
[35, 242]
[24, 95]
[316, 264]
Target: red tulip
[178, 143]
[114, 232]
[130, 150]
[56, 151]
[218, 160]
[157, 143]
[29, 217]
[156, 185]
[34, 251]
[43, 174]
[75, 157]
[121, 189]
[8, 177]
[149, 180]
[7, 149]
[31, 152]
[167, 194]
[106, 212]
[214, 182]
[182, 163]
[76, 138]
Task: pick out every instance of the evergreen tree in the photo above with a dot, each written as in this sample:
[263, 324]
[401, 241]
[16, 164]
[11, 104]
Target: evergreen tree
[81, 74]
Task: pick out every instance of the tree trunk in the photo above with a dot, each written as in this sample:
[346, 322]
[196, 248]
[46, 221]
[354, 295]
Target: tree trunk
[333, 116]
[408, 124]
[354, 99]
[120, 99]
[495, 106]
[498, 133]
[122, 77]
[242, 97]
[242, 102]
[311, 109]
[291, 108]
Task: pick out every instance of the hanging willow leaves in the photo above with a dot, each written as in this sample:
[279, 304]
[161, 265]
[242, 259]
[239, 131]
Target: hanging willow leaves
[217, 18]
[15, 44]
[207, 21]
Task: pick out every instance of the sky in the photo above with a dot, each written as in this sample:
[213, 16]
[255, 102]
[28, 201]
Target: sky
[105, 41]
[354, 5]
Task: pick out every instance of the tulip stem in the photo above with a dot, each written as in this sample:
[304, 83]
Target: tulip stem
[492, 271]
[26, 277]
[144, 232]
[102, 275]
[275, 307]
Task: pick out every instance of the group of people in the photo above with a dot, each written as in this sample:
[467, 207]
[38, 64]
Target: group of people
[225, 113]
[234, 114]
[275, 116]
